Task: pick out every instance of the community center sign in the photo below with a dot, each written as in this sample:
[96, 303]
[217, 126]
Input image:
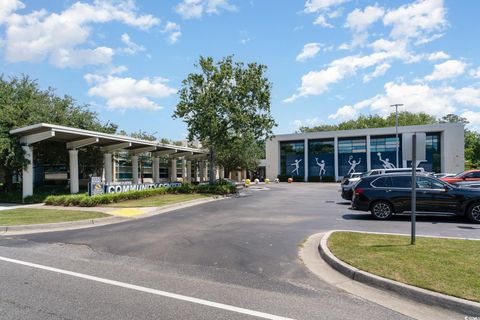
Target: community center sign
[96, 187]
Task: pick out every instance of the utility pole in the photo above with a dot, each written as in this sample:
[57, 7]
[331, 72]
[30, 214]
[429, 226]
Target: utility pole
[396, 130]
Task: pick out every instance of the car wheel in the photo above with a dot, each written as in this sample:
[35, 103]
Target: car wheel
[381, 210]
[473, 213]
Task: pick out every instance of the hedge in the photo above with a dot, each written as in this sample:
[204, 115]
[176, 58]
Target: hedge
[84, 200]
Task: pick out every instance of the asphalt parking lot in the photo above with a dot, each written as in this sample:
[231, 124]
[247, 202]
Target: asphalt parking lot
[241, 251]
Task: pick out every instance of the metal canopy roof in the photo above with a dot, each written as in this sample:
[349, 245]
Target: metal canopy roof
[77, 138]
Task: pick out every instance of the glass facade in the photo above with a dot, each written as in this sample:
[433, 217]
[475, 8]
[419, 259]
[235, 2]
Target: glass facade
[321, 158]
[433, 163]
[292, 162]
[383, 152]
[352, 155]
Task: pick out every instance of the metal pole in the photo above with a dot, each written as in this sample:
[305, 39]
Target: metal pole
[396, 130]
[414, 186]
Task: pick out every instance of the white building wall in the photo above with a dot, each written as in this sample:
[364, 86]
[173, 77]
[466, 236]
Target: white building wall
[451, 144]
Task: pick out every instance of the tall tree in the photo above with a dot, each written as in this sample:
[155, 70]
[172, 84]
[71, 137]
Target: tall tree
[23, 103]
[223, 102]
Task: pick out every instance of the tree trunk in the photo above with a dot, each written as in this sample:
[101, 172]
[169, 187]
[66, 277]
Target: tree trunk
[211, 165]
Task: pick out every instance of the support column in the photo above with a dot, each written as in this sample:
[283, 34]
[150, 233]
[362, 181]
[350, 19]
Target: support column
[107, 165]
[173, 170]
[135, 169]
[184, 170]
[335, 156]
[369, 156]
[156, 169]
[305, 157]
[73, 157]
[27, 172]
[201, 167]
[222, 173]
[244, 173]
[189, 171]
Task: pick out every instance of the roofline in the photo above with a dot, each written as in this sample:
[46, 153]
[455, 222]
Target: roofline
[54, 127]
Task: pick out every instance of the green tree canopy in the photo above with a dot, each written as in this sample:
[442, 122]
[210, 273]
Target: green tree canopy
[23, 103]
[224, 104]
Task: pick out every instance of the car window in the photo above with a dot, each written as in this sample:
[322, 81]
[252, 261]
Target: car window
[401, 182]
[475, 175]
[383, 182]
[428, 183]
[468, 175]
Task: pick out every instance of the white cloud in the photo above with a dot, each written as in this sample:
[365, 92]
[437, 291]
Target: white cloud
[439, 55]
[322, 21]
[380, 70]
[417, 20]
[81, 57]
[359, 20]
[190, 9]
[320, 5]
[436, 101]
[475, 73]
[128, 93]
[447, 70]
[468, 96]
[310, 50]
[173, 31]
[308, 122]
[7, 7]
[41, 35]
[132, 47]
[473, 119]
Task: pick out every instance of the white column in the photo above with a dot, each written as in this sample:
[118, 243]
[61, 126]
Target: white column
[305, 162]
[184, 170]
[73, 157]
[244, 173]
[107, 165]
[135, 169]
[222, 173]
[27, 172]
[369, 156]
[189, 171]
[173, 170]
[156, 169]
[201, 166]
[335, 156]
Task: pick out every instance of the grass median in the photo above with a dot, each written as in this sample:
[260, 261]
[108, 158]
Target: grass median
[24, 216]
[449, 266]
[158, 201]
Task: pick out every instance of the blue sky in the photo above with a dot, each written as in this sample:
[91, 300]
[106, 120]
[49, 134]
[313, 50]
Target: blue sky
[328, 60]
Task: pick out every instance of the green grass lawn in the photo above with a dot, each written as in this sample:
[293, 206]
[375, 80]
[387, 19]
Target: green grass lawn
[158, 201]
[448, 266]
[23, 216]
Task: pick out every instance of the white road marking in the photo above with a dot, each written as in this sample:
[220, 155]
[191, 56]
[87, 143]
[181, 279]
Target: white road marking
[149, 290]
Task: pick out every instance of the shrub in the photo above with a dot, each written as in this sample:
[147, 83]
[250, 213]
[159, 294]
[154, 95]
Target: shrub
[83, 200]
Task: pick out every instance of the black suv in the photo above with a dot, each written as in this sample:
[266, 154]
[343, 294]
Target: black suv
[386, 195]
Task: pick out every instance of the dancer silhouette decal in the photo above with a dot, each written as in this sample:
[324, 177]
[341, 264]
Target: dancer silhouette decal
[386, 163]
[321, 165]
[353, 164]
[296, 164]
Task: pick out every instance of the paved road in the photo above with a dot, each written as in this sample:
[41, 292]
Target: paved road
[240, 252]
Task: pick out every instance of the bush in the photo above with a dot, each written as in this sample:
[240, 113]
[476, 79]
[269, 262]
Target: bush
[83, 200]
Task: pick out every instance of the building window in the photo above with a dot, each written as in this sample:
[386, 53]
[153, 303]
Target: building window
[292, 162]
[383, 152]
[321, 158]
[434, 162]
[352, 155]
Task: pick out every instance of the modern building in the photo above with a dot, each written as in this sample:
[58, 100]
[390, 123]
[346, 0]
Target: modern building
[334, 154]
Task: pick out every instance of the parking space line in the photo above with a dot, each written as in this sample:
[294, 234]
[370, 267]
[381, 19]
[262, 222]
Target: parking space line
[149, 290]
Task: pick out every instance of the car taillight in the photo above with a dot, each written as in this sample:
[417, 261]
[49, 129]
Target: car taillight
[358, 191]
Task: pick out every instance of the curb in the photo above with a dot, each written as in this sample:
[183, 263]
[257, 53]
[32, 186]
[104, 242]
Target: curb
[82, 224]
[412, 292]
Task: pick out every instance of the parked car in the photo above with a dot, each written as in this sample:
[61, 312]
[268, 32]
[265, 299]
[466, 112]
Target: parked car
[469, 175]
[444, 175]
[348, 184]
[390, 194]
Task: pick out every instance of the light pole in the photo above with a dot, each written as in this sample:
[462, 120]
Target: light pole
[396, 128]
